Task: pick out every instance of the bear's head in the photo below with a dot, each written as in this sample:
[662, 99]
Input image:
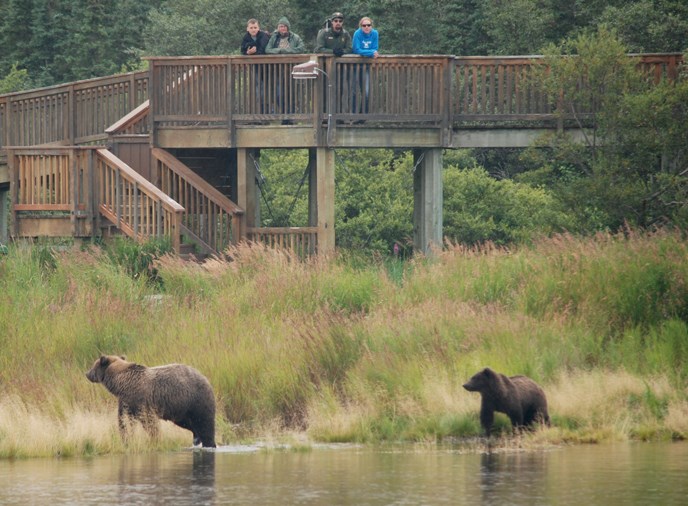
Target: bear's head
[481, 380]
[97, 372]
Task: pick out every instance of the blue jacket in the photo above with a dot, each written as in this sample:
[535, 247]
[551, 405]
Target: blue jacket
[365, 45]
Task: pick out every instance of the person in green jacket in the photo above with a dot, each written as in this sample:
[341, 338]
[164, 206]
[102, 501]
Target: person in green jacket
[284, 41]
[335, 39]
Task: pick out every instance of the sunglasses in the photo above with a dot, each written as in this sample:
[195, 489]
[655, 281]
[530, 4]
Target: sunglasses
[366, 24]
[337, 20]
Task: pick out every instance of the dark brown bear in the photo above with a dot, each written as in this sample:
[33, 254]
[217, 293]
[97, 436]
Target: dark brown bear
[174, 392]
[519, 397]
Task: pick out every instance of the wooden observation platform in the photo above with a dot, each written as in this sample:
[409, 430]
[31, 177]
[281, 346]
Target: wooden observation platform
[174, 151]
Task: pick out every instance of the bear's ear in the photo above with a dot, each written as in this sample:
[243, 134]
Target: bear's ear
[104, 361]
[488, 372]
[122, 357]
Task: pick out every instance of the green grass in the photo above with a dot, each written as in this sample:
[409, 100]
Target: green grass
[340, 349]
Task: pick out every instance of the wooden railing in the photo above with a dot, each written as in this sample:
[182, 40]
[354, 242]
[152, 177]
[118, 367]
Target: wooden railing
[134, 204]
[219, 91]
[210, 219]
[70, 185]
[69, 114]
[301, 241]
[50, 181]
[498, 88]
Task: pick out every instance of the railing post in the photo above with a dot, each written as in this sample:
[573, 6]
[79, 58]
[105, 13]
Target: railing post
[230, 103]
[447, 102]
[71, 117]
[89, 197]
[118, 197]
[175, 229]
[14, 191]
[74, 193]
[159, 221]
[137, 205]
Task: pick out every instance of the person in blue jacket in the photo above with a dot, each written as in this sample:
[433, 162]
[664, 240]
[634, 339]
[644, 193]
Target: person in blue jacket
[365, 43]
[366, 39]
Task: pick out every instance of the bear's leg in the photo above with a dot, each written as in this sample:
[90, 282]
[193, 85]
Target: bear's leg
[150, 424]
[187, 423]
[204, 431]
[486, 418]
[124, 415]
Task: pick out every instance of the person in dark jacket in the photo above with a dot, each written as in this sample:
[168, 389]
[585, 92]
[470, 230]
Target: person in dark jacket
[256, 40]
[254, 43]
[335, 39]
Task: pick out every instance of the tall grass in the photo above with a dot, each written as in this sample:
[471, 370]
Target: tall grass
[345, 350]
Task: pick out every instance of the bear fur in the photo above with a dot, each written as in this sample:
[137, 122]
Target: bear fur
[173, 392]
[519, 397]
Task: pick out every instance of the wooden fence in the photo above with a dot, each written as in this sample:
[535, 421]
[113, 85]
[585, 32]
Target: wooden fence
[301, 241]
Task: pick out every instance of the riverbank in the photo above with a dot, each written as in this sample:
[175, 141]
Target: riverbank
[345, 350]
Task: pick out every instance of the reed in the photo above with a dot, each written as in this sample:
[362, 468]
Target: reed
[340, 349]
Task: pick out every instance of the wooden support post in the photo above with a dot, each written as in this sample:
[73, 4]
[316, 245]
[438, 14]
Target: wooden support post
[324, 182]
[247, 189]
[427, 200]
[312, 189]
[14, 191]
[4, 199]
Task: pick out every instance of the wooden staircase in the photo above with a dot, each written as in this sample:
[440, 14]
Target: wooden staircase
[75, 190]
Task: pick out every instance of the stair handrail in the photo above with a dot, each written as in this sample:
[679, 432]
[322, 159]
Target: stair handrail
[128, 123]
[133, 203]
[210, 218]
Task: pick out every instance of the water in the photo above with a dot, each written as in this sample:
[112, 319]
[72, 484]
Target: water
[628, 474]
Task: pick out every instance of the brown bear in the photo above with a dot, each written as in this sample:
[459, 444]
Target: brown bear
[173, 392]
[519, 397]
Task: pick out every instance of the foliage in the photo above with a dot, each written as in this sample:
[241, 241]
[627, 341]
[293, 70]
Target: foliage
[16, 80]
[633, 170]
[479, 208]
[340, 351]
[209, 27]
[374, 191]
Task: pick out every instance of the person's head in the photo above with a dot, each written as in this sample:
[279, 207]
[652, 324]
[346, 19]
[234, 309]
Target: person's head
[366, 24]
[337, 20]
[283, 26]
[253, 27]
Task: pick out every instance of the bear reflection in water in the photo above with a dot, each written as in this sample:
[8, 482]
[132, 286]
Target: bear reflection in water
[174, 392]
[519, 397]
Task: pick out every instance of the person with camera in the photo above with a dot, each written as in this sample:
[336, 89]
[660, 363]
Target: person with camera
[255, 40]
[334, 39]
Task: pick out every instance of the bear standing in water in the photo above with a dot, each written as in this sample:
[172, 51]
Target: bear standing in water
[174, 392]
[519, 397]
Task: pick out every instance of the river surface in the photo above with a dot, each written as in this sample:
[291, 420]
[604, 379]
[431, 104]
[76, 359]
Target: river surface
[623, 474]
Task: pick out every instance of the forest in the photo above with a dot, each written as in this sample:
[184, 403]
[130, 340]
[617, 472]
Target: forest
[632, 173]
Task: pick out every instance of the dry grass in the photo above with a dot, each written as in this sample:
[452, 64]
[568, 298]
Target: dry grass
[344, 351]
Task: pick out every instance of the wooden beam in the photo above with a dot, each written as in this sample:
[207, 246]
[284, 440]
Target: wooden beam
[427, 200]
[325, 195]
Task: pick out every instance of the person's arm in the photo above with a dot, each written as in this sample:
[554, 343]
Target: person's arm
[296, 45]
[347, 43]
[262, 42]
[245, 44]
[320, 43]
